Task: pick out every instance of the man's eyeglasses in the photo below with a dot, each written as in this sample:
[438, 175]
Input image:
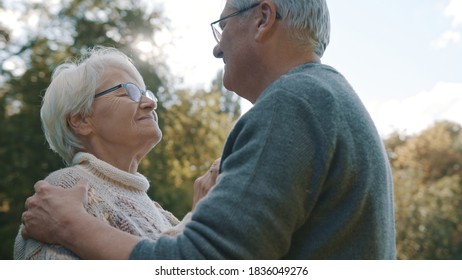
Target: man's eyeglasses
[132, 90]
[216, 30]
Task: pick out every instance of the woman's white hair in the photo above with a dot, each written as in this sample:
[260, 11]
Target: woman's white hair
[71, 93]
[308, 21]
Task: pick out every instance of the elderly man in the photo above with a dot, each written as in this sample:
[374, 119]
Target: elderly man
[303, 174]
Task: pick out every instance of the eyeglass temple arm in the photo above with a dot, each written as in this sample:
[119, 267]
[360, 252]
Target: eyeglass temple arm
[108, 90]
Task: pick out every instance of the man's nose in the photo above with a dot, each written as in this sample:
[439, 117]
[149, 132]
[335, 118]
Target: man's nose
[217, 51]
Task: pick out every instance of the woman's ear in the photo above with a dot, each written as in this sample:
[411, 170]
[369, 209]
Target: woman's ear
[266, 20]
[80, 125]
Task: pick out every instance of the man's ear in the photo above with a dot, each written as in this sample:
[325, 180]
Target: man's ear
[266, 20]
[80, 125]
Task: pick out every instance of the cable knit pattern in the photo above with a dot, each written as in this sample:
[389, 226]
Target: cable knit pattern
[117, 197]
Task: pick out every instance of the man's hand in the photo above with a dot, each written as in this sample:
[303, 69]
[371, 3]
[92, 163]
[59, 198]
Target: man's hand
[50, 210]
[204, 183]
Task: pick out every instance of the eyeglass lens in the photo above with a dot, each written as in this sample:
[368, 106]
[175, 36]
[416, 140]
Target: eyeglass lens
[217, 34]
[135, 93]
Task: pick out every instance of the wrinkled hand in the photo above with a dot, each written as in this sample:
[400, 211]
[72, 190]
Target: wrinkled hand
[51, 209]
[206, 182]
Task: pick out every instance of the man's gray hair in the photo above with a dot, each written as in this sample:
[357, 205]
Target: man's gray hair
[71, 92]
[307, 20]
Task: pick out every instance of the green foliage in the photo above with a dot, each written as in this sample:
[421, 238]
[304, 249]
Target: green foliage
[194, 124]
[428, 192]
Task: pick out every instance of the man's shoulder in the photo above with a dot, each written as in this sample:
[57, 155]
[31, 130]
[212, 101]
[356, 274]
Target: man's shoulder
[312, 83]
[311, 74]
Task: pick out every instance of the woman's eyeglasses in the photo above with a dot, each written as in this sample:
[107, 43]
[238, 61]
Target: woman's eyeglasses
[132, 90]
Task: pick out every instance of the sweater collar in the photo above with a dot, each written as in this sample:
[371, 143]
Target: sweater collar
[106, 171]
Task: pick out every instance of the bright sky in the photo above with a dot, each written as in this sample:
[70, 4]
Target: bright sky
[404, 58]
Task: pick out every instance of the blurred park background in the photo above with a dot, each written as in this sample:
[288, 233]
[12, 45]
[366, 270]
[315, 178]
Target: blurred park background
[427, 165]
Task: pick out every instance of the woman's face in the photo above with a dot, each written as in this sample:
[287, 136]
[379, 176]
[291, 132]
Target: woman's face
[121, 124]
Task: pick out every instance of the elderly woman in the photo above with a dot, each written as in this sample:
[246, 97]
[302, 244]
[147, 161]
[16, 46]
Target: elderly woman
[98, 116]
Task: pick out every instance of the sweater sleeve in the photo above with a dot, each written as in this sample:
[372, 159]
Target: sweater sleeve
[262, 195]
[34, 250]
[31, 249]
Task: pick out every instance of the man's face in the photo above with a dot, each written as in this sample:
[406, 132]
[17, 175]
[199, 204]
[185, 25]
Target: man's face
[236, 50]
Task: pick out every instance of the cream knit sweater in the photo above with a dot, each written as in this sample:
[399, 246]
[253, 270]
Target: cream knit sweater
[115, 196]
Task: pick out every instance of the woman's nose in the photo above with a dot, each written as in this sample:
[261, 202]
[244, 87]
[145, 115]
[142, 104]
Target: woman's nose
[146, 102]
